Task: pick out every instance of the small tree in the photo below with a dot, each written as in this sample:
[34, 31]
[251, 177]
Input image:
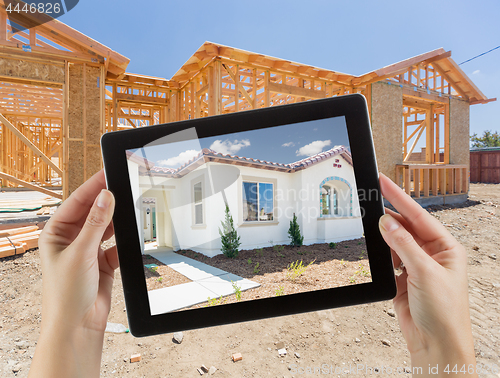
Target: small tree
[489, 139]
[294, 233]
[229, 237]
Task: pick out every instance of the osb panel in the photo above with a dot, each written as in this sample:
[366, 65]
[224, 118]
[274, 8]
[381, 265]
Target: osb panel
[387, 129]
[75, 114]
[459, 132]
[75, 165]
[93, 160]
[93, 109]
[22, 69]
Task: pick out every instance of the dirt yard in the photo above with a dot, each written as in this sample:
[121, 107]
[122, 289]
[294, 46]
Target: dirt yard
[367, 334]
[280, 269]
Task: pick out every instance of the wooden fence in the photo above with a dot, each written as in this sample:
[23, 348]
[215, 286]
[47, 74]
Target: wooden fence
[485, 166]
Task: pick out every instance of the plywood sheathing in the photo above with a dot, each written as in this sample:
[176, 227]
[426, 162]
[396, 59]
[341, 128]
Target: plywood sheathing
[386, 115]
[459, 132]
[75, 114]
[33, 71]
[84, 124]
[93, 105]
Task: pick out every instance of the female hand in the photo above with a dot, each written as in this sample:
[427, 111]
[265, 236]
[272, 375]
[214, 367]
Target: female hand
[432, 298]
[77, 282]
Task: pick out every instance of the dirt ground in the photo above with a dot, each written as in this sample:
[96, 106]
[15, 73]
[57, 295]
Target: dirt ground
[365, 335]
[280, 269]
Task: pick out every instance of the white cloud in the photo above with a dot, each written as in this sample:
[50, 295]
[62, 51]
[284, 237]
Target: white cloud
[228, 147]
[476, 72]
[315, 129]
[288, 144]
[178, 160]
[313, 148]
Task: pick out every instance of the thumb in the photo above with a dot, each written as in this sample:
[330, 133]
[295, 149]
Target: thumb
[97, 221]
[402, 242]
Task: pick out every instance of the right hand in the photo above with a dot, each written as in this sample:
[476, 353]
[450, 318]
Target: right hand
[432, 298]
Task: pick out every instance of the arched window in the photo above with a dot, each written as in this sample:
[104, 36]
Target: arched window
[335, 197]
[329, 200]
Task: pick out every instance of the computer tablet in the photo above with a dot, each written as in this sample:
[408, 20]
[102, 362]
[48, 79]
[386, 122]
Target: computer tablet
[248, 215]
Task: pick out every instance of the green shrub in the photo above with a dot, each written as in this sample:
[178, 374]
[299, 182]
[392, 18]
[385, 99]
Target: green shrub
[229, 237]
[294, 233]
[332, 245]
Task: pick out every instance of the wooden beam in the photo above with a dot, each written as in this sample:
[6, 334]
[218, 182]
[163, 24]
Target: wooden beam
[442, 56]
[406, 179]
[26, 184]
[435, 181]
[239, 86]
[420, 125]
[3, 26]
[410, 92]
[414, 103]
[296, 91]
[396, 68]
[32, 37]
[426, 182]
[267, 92]
[438, 69]
[236, 79]
[429, 143]
[140, 99]
[212, 85]
[30, 144]
[447, 134]
[414, 144]
[416, 183]
[254, 88]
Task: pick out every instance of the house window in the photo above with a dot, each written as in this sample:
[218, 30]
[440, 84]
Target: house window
[329, 200]
[258, 202]
[198, 203]
[335, 197]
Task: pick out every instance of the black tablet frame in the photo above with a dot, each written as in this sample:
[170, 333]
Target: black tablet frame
[142, 323]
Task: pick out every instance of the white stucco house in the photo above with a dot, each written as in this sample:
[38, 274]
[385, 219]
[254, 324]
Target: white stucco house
[183, 208]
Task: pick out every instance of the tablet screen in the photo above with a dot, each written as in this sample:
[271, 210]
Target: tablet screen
[248, 215]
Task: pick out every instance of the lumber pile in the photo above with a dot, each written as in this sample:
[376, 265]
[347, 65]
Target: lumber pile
[16, 241]
[43, 211]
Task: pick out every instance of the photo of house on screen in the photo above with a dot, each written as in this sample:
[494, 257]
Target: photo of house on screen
[182, 208]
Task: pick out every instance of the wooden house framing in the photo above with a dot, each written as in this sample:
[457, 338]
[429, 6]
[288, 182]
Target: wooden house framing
[60, 90]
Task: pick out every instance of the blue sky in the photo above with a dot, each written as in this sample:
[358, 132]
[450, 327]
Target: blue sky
[348, 36]
[282, 144]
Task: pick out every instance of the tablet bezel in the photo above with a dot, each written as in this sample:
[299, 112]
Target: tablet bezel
[142, 323]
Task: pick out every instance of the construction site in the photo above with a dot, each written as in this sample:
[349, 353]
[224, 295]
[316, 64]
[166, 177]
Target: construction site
[61, 90]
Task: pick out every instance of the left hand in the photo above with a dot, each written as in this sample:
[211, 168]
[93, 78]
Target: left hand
[77, 281]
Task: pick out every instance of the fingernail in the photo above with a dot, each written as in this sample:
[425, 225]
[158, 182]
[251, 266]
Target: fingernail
[104, 199]
[389, 223]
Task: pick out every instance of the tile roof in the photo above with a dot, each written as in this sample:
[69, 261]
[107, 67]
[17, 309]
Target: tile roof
[207, 154]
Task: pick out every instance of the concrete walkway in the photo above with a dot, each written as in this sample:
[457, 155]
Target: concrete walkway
[207, 282]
